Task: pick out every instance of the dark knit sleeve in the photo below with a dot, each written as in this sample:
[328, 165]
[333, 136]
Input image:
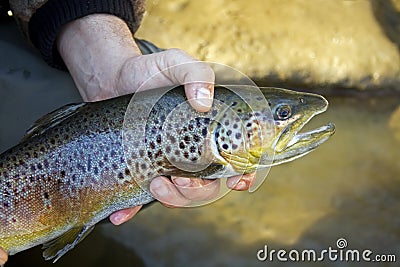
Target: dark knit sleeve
[47, 21]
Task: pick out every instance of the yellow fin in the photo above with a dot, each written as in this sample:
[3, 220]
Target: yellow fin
[57, 247]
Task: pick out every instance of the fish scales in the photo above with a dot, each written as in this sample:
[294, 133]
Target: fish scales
[78, 164]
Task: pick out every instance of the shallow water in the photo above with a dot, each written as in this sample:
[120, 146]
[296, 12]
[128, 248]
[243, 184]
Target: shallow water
[348, 188]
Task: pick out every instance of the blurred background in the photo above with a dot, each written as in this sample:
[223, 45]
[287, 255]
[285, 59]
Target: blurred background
[346, 50]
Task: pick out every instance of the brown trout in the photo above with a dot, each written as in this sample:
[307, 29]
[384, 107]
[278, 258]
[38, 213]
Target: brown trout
[80, 163]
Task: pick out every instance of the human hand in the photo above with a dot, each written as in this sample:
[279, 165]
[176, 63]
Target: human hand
[105, 62]
[3, 256]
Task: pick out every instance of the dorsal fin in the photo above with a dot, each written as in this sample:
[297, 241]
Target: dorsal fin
[51, 119]
[147, 47]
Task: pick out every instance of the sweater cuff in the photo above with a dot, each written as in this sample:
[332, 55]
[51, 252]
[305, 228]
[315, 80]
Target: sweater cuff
[47, 21]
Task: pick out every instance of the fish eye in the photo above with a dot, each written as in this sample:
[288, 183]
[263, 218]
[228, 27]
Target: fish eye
[283, 112]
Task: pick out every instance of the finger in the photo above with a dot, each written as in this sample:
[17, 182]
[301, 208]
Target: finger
[166, 192]
[3, 256]
[200, 95]
[167, 68]
[197, 189]
[124, 215]
[241, 182]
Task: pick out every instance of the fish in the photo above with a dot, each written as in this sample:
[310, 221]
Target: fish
[80, 163]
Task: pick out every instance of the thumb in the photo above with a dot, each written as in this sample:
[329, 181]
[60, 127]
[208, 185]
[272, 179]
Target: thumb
[167, 68]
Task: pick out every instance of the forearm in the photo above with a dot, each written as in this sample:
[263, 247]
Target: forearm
[94, 48]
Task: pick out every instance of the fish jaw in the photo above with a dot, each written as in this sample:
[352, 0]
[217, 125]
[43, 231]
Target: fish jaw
[303, 143]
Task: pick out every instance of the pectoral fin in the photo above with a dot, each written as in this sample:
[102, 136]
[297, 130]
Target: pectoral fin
[57, 247]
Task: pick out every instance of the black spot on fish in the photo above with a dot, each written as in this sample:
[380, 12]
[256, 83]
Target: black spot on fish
[225, 146]
[141, 152]
[181, 145]
[187, 139]
[46, 195]
[46, 163]
[186, 154]
[196, 138]
[193, 149]
[238, 135]
[204, 132]
[234, 146]
[120, 175]
[152, 145]
[127, 172]
[115, 166]
[158, 154]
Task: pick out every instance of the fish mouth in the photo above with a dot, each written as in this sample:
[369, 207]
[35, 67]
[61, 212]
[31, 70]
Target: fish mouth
[293, 144]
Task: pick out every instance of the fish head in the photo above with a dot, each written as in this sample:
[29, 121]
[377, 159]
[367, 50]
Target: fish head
[291, 112]
[264, 132]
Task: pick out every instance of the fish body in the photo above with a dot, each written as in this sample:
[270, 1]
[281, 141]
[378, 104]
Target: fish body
[82, 162]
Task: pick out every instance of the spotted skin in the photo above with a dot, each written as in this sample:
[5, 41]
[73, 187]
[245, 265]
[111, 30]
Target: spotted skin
[81, 163]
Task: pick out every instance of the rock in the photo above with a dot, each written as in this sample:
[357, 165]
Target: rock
[351, 44]
[394, 123]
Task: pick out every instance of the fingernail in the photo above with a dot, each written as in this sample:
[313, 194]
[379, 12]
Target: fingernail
[119, 218]
[241, 185]
[182, 181]
[203, 97]
[159, 188]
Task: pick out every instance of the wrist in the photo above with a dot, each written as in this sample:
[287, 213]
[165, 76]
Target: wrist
[94, 48]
